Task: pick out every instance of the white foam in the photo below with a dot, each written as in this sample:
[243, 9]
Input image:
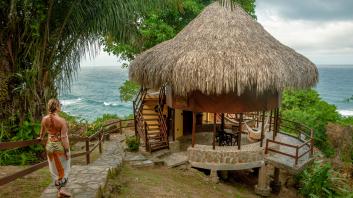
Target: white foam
[70, 102]
[345, 112]
[111, 104]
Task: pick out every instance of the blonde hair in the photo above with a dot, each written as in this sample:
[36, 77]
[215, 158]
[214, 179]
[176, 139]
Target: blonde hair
[53, 105]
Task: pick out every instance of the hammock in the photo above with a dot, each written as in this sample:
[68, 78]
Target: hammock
[255, 134]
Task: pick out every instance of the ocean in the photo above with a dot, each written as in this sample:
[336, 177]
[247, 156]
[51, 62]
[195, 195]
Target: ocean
[95, 91]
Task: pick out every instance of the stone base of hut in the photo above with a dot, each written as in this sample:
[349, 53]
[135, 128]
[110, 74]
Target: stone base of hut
[225, 158]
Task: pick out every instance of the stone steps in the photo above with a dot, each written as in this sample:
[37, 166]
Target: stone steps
[85, 180]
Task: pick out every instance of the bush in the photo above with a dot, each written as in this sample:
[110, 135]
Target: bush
[321, 181]
[306, 107]
[132, 142]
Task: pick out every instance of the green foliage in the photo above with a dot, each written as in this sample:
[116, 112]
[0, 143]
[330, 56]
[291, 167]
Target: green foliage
[320, 181]
[27, 130]
[306, 107]
[248, 6]
[99, 122]
[158, 25]
[132, 142]
[346, 120]
[128, 91]
[45, 42]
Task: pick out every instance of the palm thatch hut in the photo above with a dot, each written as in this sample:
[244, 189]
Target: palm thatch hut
[223, 62]
[223, 51]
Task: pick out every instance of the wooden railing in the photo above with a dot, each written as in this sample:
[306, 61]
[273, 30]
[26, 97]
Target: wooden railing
[99, 135]
[287, 127]
[162, 97]
[298, 131]
[163, 126]
[140, 124]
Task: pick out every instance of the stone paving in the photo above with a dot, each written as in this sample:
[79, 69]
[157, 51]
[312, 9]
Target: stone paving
[85, 180]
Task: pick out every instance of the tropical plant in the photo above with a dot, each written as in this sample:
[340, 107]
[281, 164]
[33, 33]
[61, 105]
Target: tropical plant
[42, 42]
[132, 143]
[321, 180]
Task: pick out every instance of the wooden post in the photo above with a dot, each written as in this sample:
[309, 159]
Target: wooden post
[214, 132]
[296, 155]
[135, 123]
[193, 128]
[222, 121]
[270, 127]
[266, 148]
[257, 119]
[146, 138]
[262, 128]
[240, 130]
[276, 175]
[100, 141]
[87, 151]
[276, 184]
[276, 122]
[120, 127]
[311, 142]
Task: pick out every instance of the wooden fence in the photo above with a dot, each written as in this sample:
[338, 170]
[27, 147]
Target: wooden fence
[99, 135]
[298, 131]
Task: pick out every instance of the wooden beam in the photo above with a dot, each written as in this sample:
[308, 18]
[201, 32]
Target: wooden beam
[193, 128]
[222, 121]
[262, 128]
[240, 130]
[270, 127]
[214, 132]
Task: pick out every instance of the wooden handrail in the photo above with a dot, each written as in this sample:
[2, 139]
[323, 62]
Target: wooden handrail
[280, 152]
[20, 144]
[281, 143]
[305, 143]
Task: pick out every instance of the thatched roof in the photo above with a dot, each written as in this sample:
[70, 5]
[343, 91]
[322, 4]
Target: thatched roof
[223, 51]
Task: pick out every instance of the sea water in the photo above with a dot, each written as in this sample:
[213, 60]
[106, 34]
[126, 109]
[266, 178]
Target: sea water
[95, 91]
[336, 86]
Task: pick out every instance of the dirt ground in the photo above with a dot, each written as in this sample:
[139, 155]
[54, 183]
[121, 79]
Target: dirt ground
[29, 186]
[164, 182]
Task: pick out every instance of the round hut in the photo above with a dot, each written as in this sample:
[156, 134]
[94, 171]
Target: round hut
[225, 62]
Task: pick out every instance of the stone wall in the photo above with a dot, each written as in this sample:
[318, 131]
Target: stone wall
[225, 157]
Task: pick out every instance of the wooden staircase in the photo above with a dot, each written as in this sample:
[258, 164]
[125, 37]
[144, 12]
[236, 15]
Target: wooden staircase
[150, 122]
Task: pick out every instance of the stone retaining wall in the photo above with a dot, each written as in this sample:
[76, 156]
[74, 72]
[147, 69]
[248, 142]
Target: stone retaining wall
[226, 157]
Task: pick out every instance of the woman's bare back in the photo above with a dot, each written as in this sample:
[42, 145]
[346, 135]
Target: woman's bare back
[53, 123]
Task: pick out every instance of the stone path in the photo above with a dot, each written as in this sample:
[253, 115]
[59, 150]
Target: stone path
[285, 162]
[85, 180]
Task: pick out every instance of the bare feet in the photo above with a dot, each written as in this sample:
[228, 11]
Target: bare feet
[63, 193]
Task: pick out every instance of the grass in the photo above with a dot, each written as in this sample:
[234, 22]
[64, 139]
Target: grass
[164, 182]
[31, 185]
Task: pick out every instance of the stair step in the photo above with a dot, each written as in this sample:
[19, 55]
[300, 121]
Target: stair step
[155, 137]
[155, 115]
[155, 143]
[155, 148]
[152, 123]
[153, 132]
[150, 117]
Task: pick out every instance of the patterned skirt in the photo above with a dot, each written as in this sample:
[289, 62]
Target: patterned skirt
[59, 164]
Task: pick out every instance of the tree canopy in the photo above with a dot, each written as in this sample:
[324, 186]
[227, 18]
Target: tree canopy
[158, 25]
[42, 42]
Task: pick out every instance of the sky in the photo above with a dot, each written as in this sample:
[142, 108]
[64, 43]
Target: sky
[321, 30]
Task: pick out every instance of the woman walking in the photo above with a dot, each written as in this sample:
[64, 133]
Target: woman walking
[57, 147]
